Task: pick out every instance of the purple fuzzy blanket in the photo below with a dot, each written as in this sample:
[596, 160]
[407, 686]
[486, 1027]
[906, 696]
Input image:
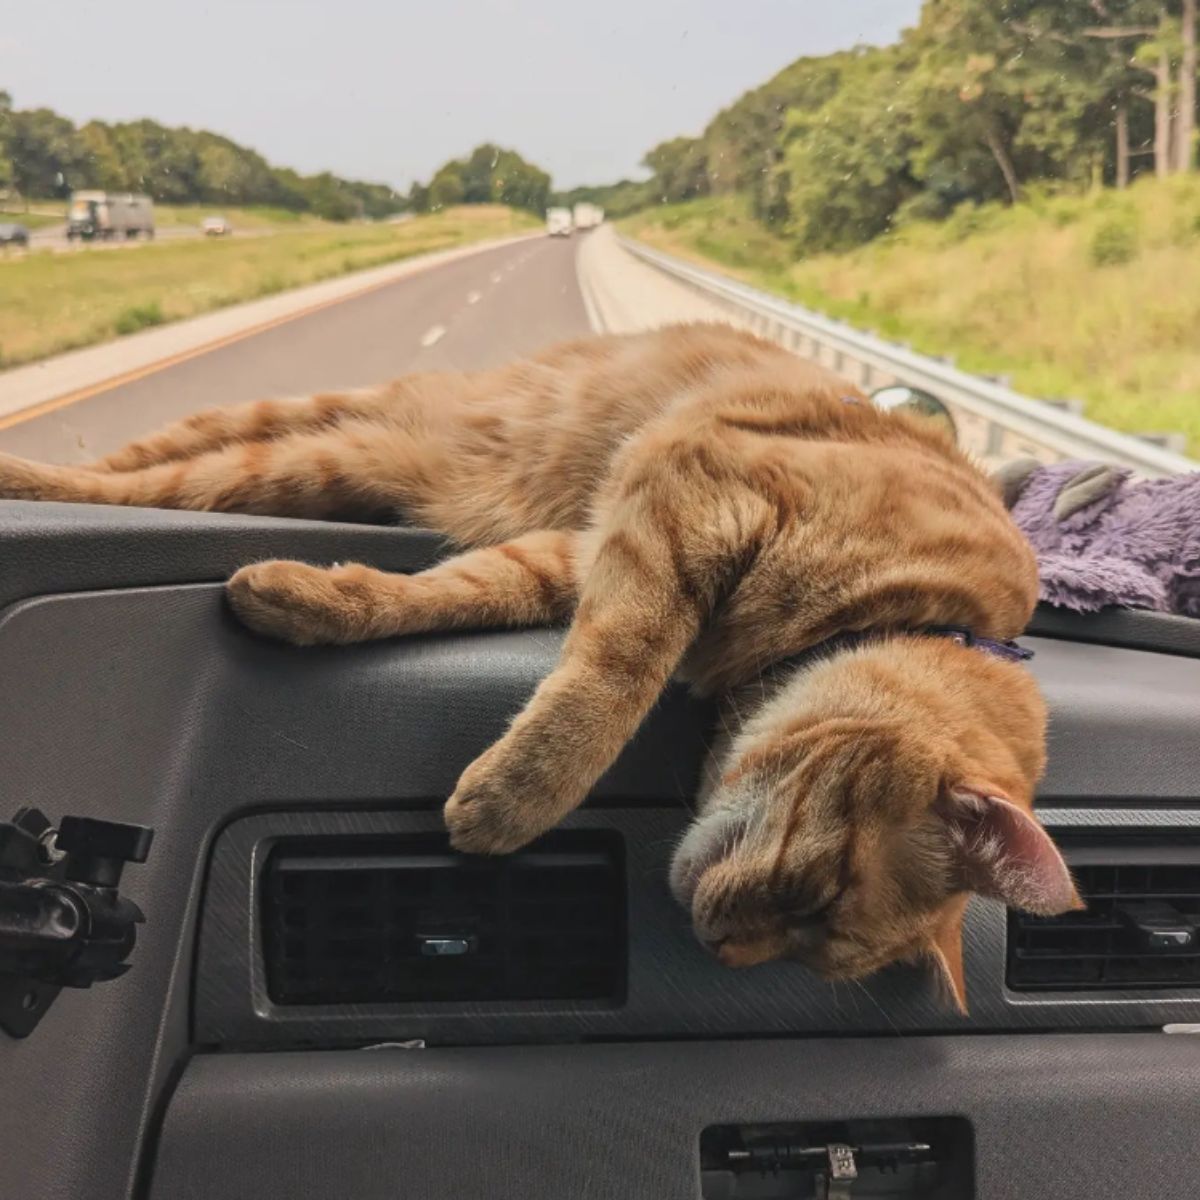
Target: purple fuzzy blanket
[1103, 538]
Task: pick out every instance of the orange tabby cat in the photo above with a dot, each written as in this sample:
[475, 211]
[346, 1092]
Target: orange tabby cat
[700, 503]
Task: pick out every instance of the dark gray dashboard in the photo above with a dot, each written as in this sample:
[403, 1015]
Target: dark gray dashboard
[130, 694]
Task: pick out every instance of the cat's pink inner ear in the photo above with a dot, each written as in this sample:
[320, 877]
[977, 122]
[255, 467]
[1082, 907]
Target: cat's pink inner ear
[1004, 852]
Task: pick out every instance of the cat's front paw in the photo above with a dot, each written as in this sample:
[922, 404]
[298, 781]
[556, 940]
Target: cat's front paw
[494, 810]
[296, 603]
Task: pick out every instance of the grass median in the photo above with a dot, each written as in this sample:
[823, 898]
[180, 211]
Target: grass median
[255, 217]
[31, 220]
[55, 302]
[1093, 297]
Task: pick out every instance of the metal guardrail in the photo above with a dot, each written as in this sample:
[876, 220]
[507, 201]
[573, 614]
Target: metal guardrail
[1061, 432]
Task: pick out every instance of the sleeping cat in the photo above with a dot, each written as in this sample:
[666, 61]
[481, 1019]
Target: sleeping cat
[699, 503]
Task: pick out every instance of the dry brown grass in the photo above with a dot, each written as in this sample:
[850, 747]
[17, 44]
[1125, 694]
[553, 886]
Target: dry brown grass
[1095, 297]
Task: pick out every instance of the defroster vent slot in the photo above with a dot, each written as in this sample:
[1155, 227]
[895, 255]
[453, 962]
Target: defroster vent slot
[407, 920]
[1141, 927]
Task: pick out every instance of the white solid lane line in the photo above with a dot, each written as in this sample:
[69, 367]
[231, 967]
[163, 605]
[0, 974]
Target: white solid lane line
[433, 336]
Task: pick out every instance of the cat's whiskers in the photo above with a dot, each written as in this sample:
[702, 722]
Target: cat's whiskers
[862, 987]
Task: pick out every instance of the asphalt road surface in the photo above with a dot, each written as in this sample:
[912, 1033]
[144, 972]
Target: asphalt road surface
[473, 312]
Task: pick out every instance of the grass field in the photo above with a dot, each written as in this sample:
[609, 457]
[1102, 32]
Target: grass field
[34, 219]
[55, 302]
[257, 217]
[1093, 297]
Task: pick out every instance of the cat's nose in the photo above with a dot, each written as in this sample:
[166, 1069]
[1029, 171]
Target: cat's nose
[731, 953]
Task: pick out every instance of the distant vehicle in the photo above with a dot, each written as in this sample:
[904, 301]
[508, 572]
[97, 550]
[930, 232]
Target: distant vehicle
[107, 215]
[216, 227]
[558, 222]
[588, 216]
[13, 235]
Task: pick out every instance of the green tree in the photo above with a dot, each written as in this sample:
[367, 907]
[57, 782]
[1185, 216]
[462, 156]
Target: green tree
[617, 199]
[418, 198]
[488, 175]
[45, 153]
[476, 174]
[680, 168]
[848, 161]
[231, 174]
[745, 144]
[103, 166]
[6, 167]
[518, 183]
[447, 187]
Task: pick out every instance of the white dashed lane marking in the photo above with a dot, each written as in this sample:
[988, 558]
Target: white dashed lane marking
[435, 333]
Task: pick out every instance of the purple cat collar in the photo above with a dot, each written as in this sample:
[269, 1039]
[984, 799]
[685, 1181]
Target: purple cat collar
[1007, 651]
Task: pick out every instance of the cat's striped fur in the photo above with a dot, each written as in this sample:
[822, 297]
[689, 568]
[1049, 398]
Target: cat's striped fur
[700, 502]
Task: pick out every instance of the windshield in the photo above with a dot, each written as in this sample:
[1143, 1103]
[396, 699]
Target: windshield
[1007, 194]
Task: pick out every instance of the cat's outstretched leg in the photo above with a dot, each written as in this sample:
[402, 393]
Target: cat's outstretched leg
[261, 420]
[528, 581]
[664, 559]
[351, 468]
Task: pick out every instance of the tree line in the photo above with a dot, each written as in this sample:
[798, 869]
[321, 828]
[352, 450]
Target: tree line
[44, 155]
[979, 101]
[488, 175]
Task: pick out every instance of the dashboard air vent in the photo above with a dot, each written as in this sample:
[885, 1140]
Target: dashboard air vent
[1141, 928]
[407, 920]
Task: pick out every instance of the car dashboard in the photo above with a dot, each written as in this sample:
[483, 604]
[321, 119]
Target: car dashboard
[325, 1001]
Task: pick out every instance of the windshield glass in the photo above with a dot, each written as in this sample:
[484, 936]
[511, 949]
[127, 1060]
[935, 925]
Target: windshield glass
[1006, 191]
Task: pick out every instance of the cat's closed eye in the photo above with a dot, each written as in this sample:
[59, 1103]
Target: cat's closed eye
[807, 915]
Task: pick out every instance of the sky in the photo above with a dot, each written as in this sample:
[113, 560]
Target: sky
[387, 90]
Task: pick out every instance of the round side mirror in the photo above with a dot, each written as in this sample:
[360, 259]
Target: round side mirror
[914, 400]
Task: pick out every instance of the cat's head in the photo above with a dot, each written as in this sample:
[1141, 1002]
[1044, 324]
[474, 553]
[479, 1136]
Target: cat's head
[852, 844]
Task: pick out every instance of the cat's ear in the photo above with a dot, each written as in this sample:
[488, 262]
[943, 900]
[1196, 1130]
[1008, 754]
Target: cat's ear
[1003, 852]
[944, 953]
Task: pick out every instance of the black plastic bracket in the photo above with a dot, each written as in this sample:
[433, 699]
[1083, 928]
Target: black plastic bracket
[63, 922]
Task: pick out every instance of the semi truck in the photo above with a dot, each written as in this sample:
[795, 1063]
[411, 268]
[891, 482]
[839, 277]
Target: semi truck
[106, 215]
[588, 216]
[558, 222]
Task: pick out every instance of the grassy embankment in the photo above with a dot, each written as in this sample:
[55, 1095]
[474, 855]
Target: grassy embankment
[256, 217]
[55, 302]
[1095, 297]
[36, 218]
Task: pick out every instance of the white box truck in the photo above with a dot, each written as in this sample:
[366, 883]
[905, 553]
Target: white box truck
[106, 215]
[558, 222]
[588, 216]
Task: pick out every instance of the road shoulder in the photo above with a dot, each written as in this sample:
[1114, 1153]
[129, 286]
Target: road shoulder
[622, 295]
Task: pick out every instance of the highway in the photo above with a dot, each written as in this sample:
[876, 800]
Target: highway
[473, 312]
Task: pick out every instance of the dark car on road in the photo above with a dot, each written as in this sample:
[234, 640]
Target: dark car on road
[12, 234]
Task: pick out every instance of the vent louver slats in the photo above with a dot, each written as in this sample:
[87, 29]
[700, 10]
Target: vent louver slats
[1141, 929]
[347, 921]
